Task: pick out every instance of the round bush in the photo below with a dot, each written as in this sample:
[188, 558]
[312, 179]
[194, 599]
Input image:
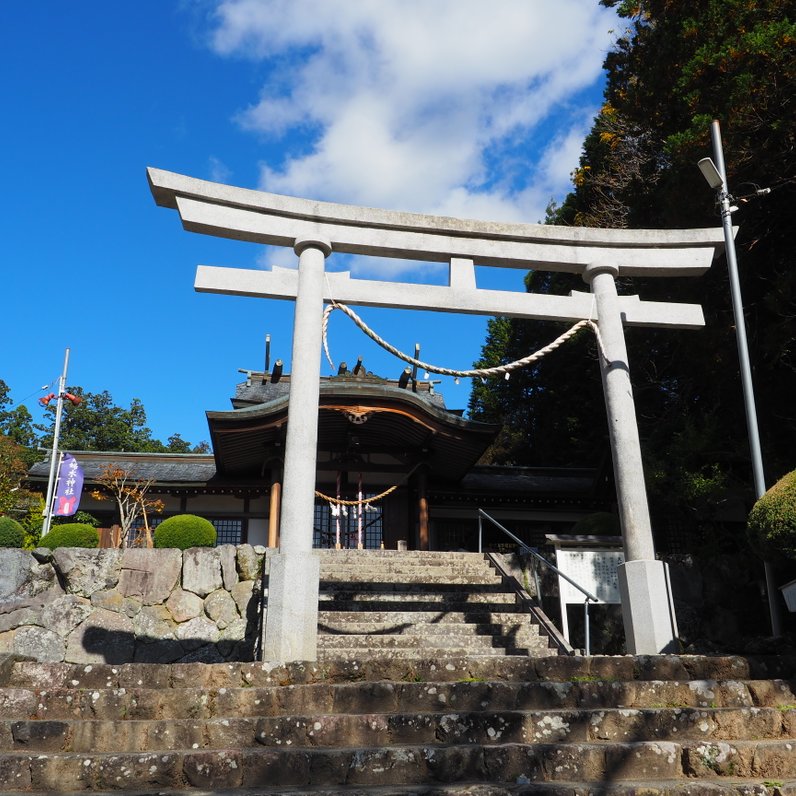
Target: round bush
[185, 530]
[74, 534]
[12, 534]
[772, 521]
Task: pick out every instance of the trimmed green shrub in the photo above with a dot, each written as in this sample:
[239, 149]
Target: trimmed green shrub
[772, 520]
[185, 530]
[83, 517]
[601, 523]
[12, 534]
[75, 534]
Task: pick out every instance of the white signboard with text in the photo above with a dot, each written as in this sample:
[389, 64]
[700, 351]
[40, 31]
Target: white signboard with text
[593, 570]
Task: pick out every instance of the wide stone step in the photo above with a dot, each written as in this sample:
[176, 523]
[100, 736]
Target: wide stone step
[427, 561]
[365, 607]
[698, 674]
[438, 562]
[421, 601]
[507, 763]
[385, 729]
[417, 630]
[412, 693]
[417, 579]
[715, 786]
[379, 557]
[440, 642]
[412, 654]
[432, 619]
[462, 585]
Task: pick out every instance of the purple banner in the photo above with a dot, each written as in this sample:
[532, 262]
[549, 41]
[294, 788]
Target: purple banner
[70, 485]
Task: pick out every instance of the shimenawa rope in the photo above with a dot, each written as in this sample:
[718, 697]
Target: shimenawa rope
[499, 370]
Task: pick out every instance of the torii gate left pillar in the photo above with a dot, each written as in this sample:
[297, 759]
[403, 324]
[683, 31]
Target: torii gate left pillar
[291, 620]
[314, 229]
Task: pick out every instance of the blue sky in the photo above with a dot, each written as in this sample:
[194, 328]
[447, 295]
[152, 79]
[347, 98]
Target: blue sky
[452, 107]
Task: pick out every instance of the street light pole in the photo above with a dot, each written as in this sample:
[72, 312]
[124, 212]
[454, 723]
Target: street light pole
[716, 176]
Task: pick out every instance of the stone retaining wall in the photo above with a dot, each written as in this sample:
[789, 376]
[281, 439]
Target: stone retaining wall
[118, 606]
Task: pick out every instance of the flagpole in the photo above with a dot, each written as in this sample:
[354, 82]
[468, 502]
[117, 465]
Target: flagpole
[48, 508]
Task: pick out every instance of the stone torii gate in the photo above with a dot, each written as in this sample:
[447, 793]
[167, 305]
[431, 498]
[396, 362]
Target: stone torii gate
[316, 229]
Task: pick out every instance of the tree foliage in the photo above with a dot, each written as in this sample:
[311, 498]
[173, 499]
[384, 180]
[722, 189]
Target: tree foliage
[16, 422]
[541, 408]
[677, 65]
[12, 470]
[772, 521]
[96, 423]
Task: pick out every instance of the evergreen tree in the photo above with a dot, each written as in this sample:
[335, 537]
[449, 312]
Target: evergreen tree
[16, 423]
[678, 65]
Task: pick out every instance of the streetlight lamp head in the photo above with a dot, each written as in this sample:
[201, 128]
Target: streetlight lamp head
[711, 173]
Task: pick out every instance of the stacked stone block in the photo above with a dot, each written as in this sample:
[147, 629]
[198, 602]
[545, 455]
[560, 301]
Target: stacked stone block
[119, 606]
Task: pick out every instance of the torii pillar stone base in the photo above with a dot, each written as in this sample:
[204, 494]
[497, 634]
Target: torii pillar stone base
[650, 624]
[291, 619]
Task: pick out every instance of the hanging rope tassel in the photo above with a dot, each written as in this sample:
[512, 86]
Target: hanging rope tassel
[499, 370]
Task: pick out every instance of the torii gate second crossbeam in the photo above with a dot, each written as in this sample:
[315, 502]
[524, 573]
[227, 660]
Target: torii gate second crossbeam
[316, 229]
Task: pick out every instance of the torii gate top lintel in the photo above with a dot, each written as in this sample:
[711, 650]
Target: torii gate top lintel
[259, 217]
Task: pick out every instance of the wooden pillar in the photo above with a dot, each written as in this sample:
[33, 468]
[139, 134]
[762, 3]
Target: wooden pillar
[273, 508]
[422, 509]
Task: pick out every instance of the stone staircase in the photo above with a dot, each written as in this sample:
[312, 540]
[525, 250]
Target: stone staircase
[418, 604]
[484, 725]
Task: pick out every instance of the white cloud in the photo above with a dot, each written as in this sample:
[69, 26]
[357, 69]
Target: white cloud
[218, 170]
[456, 107]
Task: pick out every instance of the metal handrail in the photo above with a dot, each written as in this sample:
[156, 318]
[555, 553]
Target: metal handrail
[589, 596]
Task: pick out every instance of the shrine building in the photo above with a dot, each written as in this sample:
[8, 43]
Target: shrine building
[407, 464]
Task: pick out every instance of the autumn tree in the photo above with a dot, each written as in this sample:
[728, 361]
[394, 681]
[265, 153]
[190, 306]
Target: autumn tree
[132, 500]
[12, 470]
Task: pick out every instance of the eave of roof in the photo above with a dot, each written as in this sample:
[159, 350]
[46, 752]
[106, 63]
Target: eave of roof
[245, 439]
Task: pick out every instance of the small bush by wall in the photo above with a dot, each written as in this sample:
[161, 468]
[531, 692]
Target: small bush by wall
[73, 534]
[12, 533]
[184, 531]
[772, 521]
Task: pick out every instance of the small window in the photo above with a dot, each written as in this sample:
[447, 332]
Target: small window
[229, 531]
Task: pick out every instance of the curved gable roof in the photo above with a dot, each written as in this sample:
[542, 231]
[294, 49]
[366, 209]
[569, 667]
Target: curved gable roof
[363, 426]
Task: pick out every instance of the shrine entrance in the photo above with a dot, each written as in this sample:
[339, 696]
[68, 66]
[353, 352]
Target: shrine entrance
[354, 524]
[314, 230]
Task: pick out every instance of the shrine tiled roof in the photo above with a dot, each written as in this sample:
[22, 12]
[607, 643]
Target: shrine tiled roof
[260, 388]
[164, 468]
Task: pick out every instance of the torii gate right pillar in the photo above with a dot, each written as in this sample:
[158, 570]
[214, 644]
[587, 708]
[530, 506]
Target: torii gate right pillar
[643, 584]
